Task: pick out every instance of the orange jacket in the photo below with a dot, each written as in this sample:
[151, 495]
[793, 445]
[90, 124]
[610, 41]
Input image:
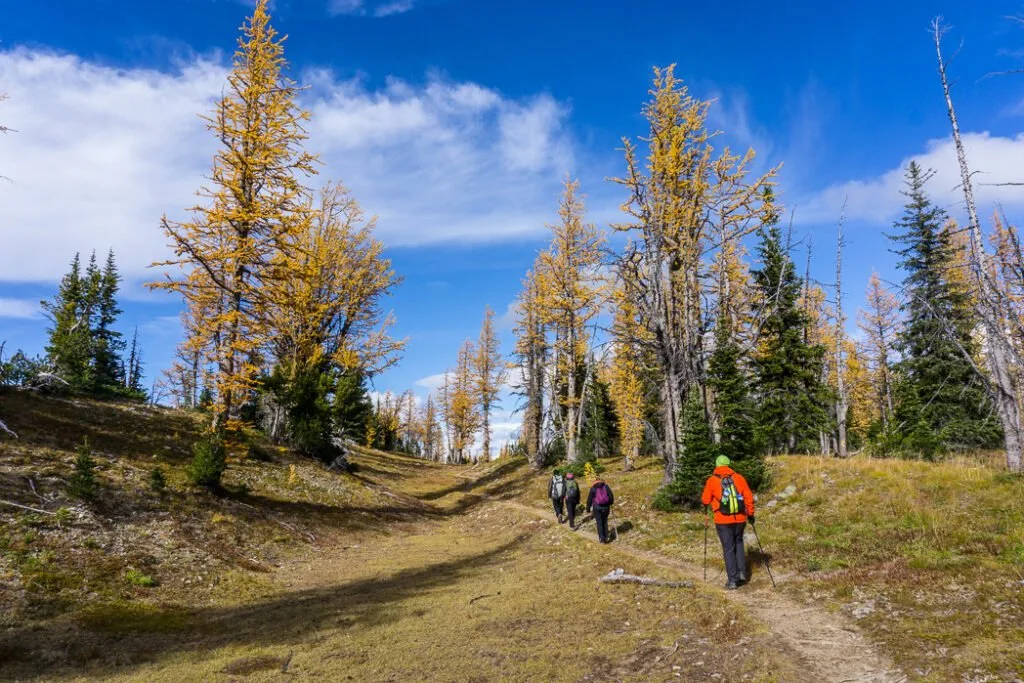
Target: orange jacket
[713, 495]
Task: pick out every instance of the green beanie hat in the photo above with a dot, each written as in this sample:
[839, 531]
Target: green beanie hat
[722, 461]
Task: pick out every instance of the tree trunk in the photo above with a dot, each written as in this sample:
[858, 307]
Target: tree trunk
[1002, 387]
[671, 408]
[842, 404]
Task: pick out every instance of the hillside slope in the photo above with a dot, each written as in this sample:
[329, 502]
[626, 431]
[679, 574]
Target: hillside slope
[408, 570]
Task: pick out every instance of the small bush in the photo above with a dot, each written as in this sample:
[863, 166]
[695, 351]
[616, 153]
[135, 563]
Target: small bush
[137, 578]
[82, 484]
[579, 468]
[62, 516]
[209, 460]
[157, 480]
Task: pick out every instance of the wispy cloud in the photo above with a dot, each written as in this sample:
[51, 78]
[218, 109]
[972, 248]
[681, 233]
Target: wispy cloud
[390, 8]
[369, 8]
[23, 309]
[440, 161]
[432, 382]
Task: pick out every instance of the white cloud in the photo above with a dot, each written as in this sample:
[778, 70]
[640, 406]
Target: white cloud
[345, 6]
[878, 200]
[363, 8]
[24, 309]
[431, 382]
[529, 135]
[507, 320]
[399, 7]
[101, 153]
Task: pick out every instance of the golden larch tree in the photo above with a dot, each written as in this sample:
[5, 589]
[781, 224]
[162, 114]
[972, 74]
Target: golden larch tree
[531, 352]
[433, 439]
[324, 301]
[571, 297]
[490, 370]
[624, 376]
[879, 322]
[463, 407]
[680, 198]
[254, 203]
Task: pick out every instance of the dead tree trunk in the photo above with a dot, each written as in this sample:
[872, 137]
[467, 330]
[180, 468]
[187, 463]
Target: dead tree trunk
[842, 400]
[1002, 387]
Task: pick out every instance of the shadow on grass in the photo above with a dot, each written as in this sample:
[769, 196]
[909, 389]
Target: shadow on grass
[491, 477]
[288, 618]
[115, 428]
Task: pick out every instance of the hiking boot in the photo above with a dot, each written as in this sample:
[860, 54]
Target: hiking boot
[731, 586]
[742, 579]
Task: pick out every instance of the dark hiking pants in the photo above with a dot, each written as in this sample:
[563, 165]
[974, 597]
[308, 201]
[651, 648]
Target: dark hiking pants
[570, 508]
[601, 517]
[557, 503]
[731, 536]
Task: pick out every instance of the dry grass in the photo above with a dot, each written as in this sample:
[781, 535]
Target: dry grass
[927, 558]
[414, 574]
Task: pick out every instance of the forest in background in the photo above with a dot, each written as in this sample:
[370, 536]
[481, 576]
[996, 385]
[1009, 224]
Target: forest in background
[684, 332]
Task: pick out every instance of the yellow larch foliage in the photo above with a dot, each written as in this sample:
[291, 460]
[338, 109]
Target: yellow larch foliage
[625, 382]
[958, 274]
[682, 198]
[733, 292]
[324, 301]
[462, 410]
[571, 295]
[253, 205]
[879, 323]
[531, 351]
[489, 375]
[589, 473]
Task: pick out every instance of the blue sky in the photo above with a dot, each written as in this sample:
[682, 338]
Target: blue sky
[454, 121]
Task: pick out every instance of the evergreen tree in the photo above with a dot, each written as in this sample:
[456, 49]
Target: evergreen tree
[107, 343]
[940, 402]
[731, 389]
[600, 432]
[352, 405]
[792, 396]
[132, 372]
[696, 461]
[69, 347]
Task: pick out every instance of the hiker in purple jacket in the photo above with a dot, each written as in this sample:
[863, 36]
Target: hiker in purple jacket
[600, 500]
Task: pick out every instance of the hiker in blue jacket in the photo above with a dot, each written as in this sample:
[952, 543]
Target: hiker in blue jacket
[600, 500]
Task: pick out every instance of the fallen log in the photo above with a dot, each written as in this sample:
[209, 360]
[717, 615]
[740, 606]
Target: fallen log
[620, 576]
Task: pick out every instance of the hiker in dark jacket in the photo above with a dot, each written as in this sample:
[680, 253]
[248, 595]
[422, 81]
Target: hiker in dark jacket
[600, 500]
[556, 492]
[572, 498]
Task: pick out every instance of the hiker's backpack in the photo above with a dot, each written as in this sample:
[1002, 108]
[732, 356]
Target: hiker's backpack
[601, 495]
[558, 486]
[572, 489]
[732, 502]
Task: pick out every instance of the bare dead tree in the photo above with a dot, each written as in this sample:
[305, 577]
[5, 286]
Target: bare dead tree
[842, 400]
[1002, 385]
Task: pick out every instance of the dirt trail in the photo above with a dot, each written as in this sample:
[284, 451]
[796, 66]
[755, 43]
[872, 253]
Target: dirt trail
[833, 649]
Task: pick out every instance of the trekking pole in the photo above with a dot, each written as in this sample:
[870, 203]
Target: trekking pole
[765, 556]
[705, 551]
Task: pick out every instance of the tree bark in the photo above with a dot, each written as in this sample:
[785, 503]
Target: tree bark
[1002, 388]
[842, 404]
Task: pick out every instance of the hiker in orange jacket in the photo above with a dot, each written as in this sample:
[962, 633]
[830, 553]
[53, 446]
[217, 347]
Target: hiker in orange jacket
[729, 495]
